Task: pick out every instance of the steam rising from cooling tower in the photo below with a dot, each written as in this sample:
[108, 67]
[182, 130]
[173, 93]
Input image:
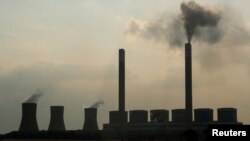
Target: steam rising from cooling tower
[35, 96]
[96, 104]
[195, 16]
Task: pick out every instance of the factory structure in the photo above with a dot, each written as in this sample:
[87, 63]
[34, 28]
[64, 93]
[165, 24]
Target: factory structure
[186, 124]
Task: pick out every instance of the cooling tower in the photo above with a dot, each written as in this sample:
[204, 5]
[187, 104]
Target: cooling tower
[28, 122]
[159, 116]
[203, 115]
[227, 114]
[56, 119]
[178, 115]
[188, 83]
[114, 117]
[90, 123]
[138, 116]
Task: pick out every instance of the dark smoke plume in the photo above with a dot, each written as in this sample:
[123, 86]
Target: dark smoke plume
[194, 20]
[195, 16]
[96, 104]
[35, 96]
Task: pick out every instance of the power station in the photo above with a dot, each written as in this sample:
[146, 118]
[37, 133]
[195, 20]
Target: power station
[134, 124]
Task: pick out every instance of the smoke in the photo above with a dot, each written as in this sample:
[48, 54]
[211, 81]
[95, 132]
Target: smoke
[96, 104]
[195, 16]
[35, 96]
[194, 20]
[160, 30]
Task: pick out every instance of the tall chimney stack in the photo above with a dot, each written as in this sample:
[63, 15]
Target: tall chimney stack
[28, 122]
[121, 80]
[122, 87]
[188, 83]
[56, 119]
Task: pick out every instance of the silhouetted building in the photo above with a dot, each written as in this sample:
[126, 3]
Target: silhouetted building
[227, 115]
[114, 117]
[56, 119]
[138, 116]
[203, 115]
[90, 122]
[29, 121]
[178, 115]
[159, 116]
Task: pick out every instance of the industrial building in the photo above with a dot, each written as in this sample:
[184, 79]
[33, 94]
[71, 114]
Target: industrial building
[186, 124]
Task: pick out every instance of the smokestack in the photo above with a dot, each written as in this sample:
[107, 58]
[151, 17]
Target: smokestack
[188, 83]
[122, 87]
[121, 80]
[56, 119]
[28, 122]
[90, 123]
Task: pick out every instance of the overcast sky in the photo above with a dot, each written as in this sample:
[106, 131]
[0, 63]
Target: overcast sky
[70, 50]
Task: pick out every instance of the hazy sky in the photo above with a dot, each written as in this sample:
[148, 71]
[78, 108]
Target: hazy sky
[70, 49]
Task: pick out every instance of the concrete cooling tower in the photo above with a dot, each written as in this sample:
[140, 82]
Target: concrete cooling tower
[56, 119]
[90, 123]
[29, 122]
